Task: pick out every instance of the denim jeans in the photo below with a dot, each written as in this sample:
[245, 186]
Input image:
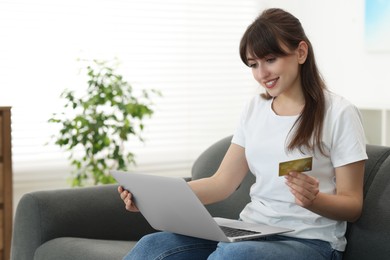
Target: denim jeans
[164, 245]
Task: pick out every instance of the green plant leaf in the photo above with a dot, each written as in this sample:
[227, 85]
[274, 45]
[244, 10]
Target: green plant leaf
[97, 125]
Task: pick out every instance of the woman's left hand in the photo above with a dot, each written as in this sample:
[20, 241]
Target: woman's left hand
[304, 188]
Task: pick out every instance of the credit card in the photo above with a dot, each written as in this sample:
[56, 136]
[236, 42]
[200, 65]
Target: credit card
[299, 165]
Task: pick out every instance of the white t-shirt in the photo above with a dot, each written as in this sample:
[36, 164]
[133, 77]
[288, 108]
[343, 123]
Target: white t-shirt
[264, 135]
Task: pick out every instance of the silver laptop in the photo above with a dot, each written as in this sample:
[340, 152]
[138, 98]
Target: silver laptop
[169, 204]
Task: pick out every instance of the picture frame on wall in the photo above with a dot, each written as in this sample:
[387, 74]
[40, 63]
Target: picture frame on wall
[377, 25]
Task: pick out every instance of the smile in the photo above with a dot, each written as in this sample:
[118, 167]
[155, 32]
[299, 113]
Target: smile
[271, 83]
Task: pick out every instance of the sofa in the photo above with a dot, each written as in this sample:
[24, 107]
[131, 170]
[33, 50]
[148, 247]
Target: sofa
[91, 223]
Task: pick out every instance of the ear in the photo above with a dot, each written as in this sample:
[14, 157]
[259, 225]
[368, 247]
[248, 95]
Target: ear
[302, 51]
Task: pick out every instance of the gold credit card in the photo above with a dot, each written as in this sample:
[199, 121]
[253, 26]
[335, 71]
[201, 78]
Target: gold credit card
[299, 165]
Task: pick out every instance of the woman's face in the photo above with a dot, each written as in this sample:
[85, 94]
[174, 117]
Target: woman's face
[279, 75]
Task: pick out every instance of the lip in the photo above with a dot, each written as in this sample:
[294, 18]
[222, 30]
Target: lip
[271, 83]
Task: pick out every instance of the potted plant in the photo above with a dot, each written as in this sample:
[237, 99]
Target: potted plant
[96, 127]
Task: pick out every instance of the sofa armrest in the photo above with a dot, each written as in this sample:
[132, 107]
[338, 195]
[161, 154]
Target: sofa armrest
[369, 236]
[93, 212]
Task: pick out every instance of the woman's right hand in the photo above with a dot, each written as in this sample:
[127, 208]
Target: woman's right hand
[126, 196]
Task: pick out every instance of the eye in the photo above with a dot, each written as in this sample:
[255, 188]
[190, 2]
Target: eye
[270, 59]
[252, 65]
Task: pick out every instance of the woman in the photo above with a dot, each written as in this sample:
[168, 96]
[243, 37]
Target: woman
[296, 117]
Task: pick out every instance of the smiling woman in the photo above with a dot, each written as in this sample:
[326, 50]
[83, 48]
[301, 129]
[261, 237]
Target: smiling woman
[185, 49]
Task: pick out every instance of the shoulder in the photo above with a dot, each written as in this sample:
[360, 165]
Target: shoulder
[257, 103]
[337, 105]
[341, 115]
[256, 106]
[344, 134]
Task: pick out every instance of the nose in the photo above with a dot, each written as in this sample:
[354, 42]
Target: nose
[260, 72]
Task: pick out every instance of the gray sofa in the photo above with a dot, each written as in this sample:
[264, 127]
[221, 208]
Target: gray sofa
[92, 223]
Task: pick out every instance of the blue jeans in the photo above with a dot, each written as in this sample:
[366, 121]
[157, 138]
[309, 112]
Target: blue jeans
[164, 245]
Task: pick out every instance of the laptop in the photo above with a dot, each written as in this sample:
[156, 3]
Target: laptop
[169, 204]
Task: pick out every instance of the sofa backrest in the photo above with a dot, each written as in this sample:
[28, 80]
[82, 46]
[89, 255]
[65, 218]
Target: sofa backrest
[206, 165]
[368, 238]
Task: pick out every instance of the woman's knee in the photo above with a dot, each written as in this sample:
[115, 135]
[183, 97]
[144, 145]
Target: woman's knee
[144, 247]
[151, 238]
[154, 240]
[162, 244]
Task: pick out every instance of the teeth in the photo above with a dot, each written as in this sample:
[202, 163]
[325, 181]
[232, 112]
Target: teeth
[270, 83]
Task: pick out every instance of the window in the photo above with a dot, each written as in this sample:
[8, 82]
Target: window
[186, 49]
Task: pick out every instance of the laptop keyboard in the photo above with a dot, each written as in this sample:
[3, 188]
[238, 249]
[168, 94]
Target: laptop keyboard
[235, 232]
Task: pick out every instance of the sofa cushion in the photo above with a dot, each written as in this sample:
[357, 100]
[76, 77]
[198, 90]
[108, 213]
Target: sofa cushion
[70, 248]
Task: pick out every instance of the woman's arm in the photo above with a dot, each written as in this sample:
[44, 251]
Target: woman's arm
[345, 205]
[225, 181]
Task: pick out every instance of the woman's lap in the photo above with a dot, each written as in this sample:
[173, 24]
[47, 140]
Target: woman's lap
[164, 245]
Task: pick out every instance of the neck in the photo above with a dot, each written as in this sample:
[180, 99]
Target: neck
[287, 106]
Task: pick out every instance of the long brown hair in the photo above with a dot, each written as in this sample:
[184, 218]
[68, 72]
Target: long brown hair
[266, 35]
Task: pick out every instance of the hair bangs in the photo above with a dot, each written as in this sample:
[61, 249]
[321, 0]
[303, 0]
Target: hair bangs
[260, 41]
